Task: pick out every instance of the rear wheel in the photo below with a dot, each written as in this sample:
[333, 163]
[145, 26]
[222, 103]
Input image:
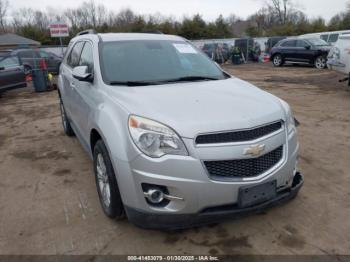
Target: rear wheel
[320, 62]
[106, 183]
[277, 60]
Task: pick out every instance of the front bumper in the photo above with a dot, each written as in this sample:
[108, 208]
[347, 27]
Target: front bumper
[210, 215]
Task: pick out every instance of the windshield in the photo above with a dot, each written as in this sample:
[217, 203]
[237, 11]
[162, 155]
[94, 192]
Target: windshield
[155, 61]
[318, 42]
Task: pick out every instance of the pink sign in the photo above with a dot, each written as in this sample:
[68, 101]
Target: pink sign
[59, 30]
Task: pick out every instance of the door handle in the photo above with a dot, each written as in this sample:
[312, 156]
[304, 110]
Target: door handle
[72, 84]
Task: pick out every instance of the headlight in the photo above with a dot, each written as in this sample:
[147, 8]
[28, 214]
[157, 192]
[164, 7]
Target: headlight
[334, 53]
[155, 139]
[290, 122]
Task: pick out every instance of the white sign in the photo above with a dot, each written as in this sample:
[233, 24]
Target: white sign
[59, 30]
[185, 48]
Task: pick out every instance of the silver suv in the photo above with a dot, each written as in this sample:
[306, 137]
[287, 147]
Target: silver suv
[175, 141]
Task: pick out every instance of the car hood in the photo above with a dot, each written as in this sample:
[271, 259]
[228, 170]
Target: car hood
[326, 48]
[204, 106]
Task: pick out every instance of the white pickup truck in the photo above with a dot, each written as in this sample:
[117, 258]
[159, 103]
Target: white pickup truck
[339, 56]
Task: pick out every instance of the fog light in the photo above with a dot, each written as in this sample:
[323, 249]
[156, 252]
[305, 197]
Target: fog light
[155, 196]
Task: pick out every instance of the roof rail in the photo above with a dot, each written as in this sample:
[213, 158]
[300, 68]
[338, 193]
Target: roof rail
[152, 32]
[86, 32]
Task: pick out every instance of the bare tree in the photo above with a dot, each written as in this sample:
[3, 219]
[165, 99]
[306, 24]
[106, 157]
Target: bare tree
[281, 9]
[73, 17]
[4, 5]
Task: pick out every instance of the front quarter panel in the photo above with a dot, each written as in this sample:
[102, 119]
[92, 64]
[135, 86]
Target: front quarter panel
[112, 124]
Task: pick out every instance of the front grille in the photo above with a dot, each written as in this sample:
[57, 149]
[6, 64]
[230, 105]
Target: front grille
[244, 167]
[239, 136]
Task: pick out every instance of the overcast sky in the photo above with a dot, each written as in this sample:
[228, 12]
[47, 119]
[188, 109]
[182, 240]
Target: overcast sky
[210, 9]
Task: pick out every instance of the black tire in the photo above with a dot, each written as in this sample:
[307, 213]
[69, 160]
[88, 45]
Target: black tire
[277, 60]
[320, 62]
[58, 69]
[111, 203]
[68, 130]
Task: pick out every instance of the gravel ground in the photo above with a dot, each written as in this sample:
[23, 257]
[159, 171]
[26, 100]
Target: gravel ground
[49, 203]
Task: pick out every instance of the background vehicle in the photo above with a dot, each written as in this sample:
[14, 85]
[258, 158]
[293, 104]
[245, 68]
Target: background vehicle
[11, 73]
[312, 51]
[212, 49]
[271, 42]
[339, 56]
[329, 37]
[30, 59]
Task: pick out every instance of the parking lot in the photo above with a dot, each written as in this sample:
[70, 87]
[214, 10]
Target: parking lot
[49, 203]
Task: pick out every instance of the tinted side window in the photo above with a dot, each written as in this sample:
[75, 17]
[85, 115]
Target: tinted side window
[43, 54]
[333, 38]
[86, 58]
[27, 54]
[324, 37]
[74, 56]
[302, 43]
[9, 62]
[290, 43]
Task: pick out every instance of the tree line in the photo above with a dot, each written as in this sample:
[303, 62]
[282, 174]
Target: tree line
[277, 17]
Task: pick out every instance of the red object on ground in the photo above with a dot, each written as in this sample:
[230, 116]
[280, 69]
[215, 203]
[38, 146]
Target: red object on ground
[29, 78]
[266, 58]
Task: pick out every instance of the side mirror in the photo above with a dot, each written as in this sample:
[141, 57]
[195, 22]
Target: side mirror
[82, 74]
[2, 68]
[307, 47]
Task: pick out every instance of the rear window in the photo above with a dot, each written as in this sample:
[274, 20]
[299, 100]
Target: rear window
[27, 54]
[290, 43]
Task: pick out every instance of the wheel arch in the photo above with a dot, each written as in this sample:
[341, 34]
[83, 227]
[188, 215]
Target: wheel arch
[94, 137]
[277, 53]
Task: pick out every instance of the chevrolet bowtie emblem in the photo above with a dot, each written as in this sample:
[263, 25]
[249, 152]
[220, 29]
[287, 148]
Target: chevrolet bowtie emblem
[254, 150]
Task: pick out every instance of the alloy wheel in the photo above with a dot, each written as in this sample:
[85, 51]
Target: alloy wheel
[320, 62]
[63, 116]
[277, 60]
[103, 181]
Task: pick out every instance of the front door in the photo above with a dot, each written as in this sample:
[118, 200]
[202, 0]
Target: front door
[84, 92]
[304, 52]
[11, 73]
[289, 50]
[69, 81]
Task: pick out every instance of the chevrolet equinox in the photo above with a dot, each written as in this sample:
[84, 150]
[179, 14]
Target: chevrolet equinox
[176, 142]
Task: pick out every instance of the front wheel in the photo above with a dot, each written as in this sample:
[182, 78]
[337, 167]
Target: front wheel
[106, 183]
[68, 130]
[320, 62]
[277, 60]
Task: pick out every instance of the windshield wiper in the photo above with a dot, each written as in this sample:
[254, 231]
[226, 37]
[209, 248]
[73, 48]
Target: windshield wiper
[190, 78]
[159, 82]
[132, 83]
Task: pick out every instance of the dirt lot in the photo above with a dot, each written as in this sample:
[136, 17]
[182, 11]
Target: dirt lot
[49, 204]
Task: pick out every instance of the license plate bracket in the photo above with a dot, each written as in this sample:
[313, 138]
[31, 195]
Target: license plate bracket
[253, 195]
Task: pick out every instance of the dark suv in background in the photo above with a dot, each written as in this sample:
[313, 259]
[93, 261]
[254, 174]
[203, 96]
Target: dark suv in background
[11, 72]
[312, 51]
[30, 59]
